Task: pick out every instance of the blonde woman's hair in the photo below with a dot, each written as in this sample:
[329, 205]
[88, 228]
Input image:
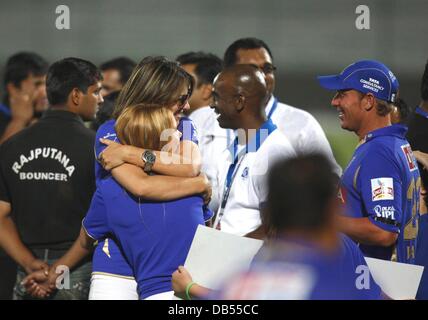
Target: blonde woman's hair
[142, 125]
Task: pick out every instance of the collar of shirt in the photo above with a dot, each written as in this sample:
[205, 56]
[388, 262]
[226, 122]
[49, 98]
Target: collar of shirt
[421, 112]
[5, 110]
[61, 114]
[257, 139]
[397, 130]
[198, 112]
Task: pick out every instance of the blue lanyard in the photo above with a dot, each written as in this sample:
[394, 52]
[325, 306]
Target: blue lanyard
[272, 110]
[5, 110]
[253, 146]
[421, 112]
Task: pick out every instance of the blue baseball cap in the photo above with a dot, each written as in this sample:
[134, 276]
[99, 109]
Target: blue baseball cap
[366, 76]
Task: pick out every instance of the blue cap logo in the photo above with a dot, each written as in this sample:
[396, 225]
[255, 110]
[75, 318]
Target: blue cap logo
[367, 76]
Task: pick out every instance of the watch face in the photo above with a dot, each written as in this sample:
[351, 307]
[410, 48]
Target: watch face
[149, 157]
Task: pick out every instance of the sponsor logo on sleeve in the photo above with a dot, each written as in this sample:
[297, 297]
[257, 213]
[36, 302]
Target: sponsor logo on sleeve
[382, 189]
[385, 212]
[411, 161]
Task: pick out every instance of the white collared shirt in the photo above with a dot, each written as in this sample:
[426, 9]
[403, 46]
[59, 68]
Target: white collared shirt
[302, 130]
[249, 188]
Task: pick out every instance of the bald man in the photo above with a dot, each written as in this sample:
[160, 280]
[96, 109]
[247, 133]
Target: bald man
[239, 99]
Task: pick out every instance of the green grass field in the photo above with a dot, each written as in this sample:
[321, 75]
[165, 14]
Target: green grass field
[343, 147]
[342, 142]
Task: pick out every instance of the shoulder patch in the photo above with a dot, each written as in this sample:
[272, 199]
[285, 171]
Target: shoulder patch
[382, 189]
[411, 162]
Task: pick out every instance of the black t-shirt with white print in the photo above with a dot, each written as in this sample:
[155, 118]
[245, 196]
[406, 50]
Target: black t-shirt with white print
[47, 175]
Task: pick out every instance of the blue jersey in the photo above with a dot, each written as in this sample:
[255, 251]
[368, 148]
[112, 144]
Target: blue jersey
[188, 130]
[382, 183]
[155, 237]
[108, 257]
[422, 255]
[105, 131]
[297, 270]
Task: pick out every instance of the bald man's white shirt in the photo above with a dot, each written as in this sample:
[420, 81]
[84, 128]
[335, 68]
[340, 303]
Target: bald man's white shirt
[213, 144]
[249, 188]
[303, 131]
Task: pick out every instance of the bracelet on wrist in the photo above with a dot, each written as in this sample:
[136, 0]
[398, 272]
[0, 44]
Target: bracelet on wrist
[190, 285]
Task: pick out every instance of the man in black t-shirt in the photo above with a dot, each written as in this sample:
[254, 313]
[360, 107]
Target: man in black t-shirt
[23, 101]
[47, 177]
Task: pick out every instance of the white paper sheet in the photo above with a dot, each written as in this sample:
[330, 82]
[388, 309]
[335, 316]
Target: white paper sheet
[397, 280]
[214, 255]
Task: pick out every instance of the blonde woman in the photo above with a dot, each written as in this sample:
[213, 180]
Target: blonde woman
[154, 237]
[155, 80]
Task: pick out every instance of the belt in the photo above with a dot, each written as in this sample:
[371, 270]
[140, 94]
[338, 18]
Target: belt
[48, 254]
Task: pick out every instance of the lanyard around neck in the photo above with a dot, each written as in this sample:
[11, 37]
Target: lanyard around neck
[238, 158]
[272, 110]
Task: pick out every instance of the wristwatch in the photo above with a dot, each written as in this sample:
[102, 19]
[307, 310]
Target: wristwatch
[149, 158]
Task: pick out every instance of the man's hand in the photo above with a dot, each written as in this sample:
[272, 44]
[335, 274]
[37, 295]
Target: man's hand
[180, 279]
[36, 265]
[39, 285]
[112, 156]
[36, 282]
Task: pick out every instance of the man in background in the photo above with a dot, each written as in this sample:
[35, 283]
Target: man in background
[24, 100]
[306, 258]
[239, 95]
[299, 126]
[47, 177]
[213, 140]
[24, 97]
[115, 73]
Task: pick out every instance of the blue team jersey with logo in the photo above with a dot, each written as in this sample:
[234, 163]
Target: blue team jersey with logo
[108, 257]
[382, 183]
[154, 237]
[298, 270]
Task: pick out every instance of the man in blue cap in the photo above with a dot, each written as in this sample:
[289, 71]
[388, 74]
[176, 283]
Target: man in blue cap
[380, 187]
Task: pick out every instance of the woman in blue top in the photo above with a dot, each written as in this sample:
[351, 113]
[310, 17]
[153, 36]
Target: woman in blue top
[154, 236]
[159, 81]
